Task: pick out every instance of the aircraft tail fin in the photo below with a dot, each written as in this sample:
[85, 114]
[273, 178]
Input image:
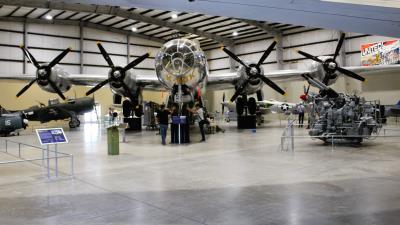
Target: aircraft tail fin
[398, 103]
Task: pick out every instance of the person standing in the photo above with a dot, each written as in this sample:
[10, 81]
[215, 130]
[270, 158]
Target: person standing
[202, 120]
[174, 125]
[300, 111]
[162, 117]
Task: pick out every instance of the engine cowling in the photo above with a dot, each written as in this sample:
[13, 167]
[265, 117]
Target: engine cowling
[58, 76]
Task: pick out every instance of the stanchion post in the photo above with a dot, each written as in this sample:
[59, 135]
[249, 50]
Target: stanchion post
[48, 162]
[19, 150]
[72, 166]
[6, 146]
[56, 158]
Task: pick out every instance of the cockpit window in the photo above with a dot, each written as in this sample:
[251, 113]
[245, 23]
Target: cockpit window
[178, 58]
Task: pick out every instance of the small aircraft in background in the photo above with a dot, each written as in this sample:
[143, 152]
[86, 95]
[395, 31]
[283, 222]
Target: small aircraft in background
[70, 109]
[262, 107]
[11, 122]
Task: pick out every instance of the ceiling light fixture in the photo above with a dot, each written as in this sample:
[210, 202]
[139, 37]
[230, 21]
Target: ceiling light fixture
[235, 33]
[48, 17]
[174, 16]
[134, 29]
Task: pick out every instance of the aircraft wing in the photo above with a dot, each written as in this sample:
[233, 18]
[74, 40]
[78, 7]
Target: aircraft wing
[149, 82]
[361, 70]
[18, 77]
[227, 80]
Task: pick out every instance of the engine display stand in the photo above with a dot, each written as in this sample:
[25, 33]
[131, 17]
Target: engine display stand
[247, 122]
[134, 123]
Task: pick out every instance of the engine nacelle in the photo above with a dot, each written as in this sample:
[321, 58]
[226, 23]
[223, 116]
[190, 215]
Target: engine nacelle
[130, 81]
[318, 71]
[57, 75]
[181, 61]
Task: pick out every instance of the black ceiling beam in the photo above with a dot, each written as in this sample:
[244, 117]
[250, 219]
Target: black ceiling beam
[106, 19]
[12, 12]
[242, 32]
[200, 21]
[29, 13]
[85, 16]
[128, 25]
[220, 32]
[72, 15]
[41, 15]
[92, 17]
[221, 26]
[120, 21]
[59, 14]
[212, 23]
[180, 14]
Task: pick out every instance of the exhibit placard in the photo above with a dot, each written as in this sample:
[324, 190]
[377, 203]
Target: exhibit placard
[51, 136]
[380, 53]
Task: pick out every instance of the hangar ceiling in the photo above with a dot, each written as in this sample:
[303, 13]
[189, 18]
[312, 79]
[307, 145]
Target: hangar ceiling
[156, 25]
[377, 17]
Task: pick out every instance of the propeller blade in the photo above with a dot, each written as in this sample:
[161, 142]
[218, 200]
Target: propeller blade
[305, 54]
[233, 56]
[339, 46]
[239, 90]
[59, 58]
[351, 74]
[308, 89]
[266, 53]
[30, 56]
[56, 89]
[26, 87]
[97, 87]
[105, 55]
[135, 62]
[271, 84]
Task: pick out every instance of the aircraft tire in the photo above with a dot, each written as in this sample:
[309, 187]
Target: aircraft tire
[252, 106]
[239, 106]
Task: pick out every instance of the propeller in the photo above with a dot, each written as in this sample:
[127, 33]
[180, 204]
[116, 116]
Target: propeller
[43, 72]
[253, 71]
[304, 96]
[331, 66]
[117, 74]
[324, 90]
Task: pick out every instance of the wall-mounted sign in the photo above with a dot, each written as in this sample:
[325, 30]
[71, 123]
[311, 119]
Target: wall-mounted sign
[51, 136]
[380, 53]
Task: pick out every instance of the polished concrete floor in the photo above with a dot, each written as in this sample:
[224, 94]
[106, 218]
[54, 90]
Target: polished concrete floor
[236, 177]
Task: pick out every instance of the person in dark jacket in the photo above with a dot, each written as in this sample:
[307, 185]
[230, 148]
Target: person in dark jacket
[174, 127]
[162, 117]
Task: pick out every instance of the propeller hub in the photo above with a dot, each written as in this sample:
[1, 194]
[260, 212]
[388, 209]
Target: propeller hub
[117, 74]
[253, 71]
[42, 73]
[332, 65]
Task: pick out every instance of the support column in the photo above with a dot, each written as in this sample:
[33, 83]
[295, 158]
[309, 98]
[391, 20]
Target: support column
[81, 47]
[279, 50]
[24, 42]
[232, 62]
[128, 51]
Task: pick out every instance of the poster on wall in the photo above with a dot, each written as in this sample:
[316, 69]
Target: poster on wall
[380, 53]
